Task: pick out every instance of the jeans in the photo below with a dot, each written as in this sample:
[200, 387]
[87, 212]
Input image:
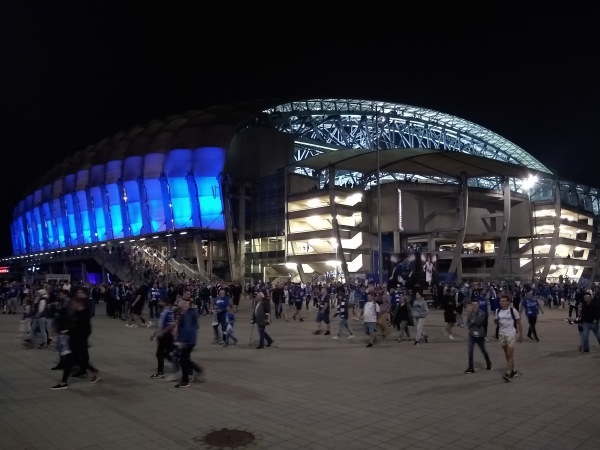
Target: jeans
[419, 325]
[585, 335]
[186, 364]
[403, 327]
[39, 325]
[343, 324]
[263, 335]
[531, 332]
[154, 309]
[480, 341]
[163, 351]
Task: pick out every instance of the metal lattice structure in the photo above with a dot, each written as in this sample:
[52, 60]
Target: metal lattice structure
[324, 125]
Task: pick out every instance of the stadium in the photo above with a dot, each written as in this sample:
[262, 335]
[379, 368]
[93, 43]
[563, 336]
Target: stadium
[305, 190]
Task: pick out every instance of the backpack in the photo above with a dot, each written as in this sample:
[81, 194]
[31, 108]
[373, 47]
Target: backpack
[512, 313]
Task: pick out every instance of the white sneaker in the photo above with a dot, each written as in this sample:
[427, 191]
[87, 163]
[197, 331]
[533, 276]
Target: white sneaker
[451, 337]
[335, 337]
[351, 336]
[148, 324]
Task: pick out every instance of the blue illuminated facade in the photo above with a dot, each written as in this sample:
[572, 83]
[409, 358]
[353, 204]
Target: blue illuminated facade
[122, 198]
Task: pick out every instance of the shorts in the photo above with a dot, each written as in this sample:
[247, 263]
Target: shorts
[369, 327]
[507, 341]
[323, 317]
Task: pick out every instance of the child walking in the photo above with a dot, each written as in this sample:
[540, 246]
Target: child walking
[230, 321]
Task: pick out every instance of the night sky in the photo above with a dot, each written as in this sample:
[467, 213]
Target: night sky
[71, 76]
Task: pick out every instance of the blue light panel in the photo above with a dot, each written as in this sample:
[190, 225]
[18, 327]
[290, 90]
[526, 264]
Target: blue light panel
[47, 214]
[188, 187]
[60, 222]
[180, 199]
[70, 207]
[134, 207]
[31, 231]
[208, 164]
[114, 203]
[84, 212]
[39, 225]
[156, 208]
[99, 200]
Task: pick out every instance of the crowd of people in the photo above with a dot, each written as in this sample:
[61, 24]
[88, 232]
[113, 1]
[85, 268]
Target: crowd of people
[64, 313]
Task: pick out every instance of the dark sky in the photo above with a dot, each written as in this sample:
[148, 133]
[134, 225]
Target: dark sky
[71, 76]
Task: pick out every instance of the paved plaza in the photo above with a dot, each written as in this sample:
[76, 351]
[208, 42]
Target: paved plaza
[308, 392]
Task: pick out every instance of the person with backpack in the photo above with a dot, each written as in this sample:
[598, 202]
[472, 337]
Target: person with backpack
[509, 333]
[531, 307]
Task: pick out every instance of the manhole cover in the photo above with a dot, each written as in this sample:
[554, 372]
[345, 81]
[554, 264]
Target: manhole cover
[228, 438]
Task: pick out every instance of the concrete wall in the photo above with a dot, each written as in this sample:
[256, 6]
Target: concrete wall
[430, 208]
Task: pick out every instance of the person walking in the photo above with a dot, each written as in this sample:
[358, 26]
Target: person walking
[420, 310]
[449, 307]
[187, 336]
[342, 313]
[323, 313]
[403, 318]
[484, 305]
[531, 307]
[221, 306]
[229, 332]
[509, 333]
[384, 301]
[369, 316]
[79, 331]
[475, 320]
[262, 317]
[589, 316]
[164, 335]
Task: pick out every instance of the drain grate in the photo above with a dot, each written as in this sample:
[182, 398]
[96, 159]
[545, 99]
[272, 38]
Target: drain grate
[228, 438]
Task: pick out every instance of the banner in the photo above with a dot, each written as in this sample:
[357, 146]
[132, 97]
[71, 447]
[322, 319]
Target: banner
[412, 270]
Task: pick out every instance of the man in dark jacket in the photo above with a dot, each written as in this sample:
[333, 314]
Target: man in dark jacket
[262, 317]
[475, 325]
[187, 335]
[80, 329]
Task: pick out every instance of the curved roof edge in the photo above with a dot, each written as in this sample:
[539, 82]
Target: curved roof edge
[404, 111]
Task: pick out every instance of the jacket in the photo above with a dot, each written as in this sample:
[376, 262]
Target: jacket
[261, 314]
[475, 321]
[420, 308]
[187, 328]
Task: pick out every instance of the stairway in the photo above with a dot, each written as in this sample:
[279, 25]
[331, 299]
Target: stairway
[123, 270]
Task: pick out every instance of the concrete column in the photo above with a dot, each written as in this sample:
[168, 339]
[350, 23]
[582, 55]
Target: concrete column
[200, 258]
[456, 265]
[505, 228]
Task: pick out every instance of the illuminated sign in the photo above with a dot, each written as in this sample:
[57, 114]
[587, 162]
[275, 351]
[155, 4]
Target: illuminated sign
[4, 269]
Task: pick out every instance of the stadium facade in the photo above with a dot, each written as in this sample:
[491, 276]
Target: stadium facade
[301, 189]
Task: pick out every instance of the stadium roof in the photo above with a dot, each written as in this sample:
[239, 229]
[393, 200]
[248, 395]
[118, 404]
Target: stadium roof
[425, 162]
